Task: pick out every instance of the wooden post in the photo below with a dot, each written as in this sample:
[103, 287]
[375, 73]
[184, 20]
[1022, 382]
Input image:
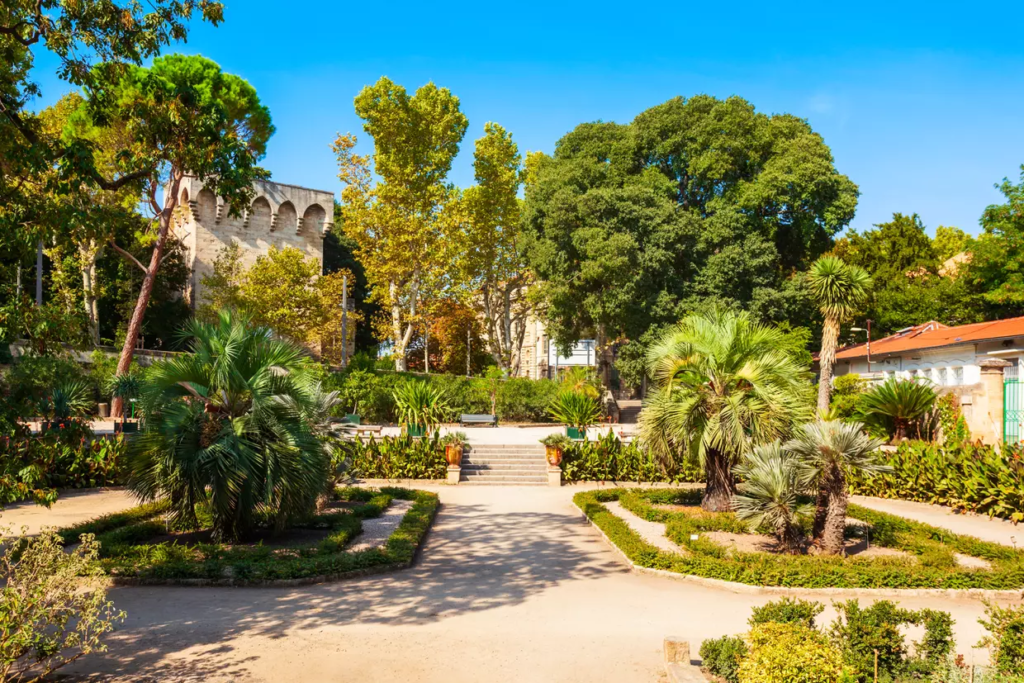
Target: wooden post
[876, 666]
[469, 348]
[344, 321]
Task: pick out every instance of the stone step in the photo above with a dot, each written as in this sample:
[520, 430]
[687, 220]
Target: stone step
[488, 482]
[528, 471]
[491, 476]
[487, 458]
[506, 451]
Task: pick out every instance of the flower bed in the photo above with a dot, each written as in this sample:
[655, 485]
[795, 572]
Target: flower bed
[131, 550]
[609, 459]
[396, 457]
[932, 565]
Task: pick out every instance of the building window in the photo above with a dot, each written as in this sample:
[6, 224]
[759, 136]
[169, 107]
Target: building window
[958, 376]
[940, 376]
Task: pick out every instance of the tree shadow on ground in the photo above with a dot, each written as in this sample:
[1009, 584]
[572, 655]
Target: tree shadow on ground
[474, 559]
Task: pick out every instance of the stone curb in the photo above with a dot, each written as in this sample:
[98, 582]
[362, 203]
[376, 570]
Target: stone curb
[748, 589]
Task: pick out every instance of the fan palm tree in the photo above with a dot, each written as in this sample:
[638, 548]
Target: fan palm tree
[835, 449]
[773, 480]
[234, 423]
[896, 404]
[724, 384]
[839, 288]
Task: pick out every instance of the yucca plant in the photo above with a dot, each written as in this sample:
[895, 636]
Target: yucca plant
[837, 451]
[65, 400]
[420, 405]
[126, 387]
[773, 481]
[234, 424]
[575, 409]
[896, 405]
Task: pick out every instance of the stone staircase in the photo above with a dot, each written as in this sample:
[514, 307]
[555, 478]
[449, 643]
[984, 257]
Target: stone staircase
[504, 465]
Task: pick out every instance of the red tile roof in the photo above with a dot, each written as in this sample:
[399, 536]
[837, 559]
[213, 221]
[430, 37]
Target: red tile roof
[933, 335]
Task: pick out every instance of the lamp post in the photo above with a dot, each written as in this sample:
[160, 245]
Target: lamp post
[868, 330]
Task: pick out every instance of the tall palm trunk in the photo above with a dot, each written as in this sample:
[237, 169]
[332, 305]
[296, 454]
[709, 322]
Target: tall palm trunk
[832, 540]
[720, 486]
[820, 512]
[826, 359]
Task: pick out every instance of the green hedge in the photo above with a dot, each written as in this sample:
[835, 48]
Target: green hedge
[609, 459]
[124, 555]
[973, 478]
[396, 457]
[934, 548]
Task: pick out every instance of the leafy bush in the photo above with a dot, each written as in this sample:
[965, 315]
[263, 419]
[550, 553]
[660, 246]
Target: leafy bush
[32, 377]
[575, 409]
[609, 459]
[396, 457]
[975, 478]
[787, 611]
[711, 560]
[722, 656]
[898, 406]
[1006, 637]
[420, 404]
[952, 422]
[789, 653]
[52, 608]
[846, 392]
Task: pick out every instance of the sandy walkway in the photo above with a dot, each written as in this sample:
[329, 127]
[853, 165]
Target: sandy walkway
[71, 507]
[993, 530]
[513, 585]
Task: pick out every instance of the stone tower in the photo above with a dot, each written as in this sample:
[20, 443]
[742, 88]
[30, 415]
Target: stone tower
[280, 216]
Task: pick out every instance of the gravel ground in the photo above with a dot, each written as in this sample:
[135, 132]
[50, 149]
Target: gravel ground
[376, 531]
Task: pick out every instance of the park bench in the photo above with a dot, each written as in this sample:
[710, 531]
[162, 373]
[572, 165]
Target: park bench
[467, 420]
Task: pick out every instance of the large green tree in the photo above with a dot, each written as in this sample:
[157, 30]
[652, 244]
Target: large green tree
[698, 201]
[997, 267]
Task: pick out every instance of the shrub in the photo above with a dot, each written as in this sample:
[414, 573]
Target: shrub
[575, 409]
[722, 656]
[1005, 640]
[400, 457]
[846, 392]
[417, 403]
[52, 608]
[787, 611]
[898, 406]
[32, 377]
[789, 653]
[609, 459]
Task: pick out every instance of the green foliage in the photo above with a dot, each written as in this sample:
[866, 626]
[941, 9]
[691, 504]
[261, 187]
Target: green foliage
[454, 439]
[787, 611]
[32, 376]
[575, 409]
[420, 404]
[401, 457]
[66, 399]
[789, 653]
[950, 241]
[955, 431]
[238, 419]
[998, 253]
[53, 608]
[711, 560]
[1006, 637]
[897, 405]
[609, 459]
[131, 551]
[846, 393]
[968, 477]
[773, 481]
[556, 440]
[722, 656]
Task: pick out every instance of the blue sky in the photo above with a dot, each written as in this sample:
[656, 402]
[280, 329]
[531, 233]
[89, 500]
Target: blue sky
[921, 103]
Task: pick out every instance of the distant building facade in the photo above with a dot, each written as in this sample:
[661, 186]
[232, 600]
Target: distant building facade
[280, 216]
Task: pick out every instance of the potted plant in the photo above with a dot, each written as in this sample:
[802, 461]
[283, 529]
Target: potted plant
[63, 402]
[453, 444]
[420, 407]
[554, 447]
[576, 411]
[127, 387]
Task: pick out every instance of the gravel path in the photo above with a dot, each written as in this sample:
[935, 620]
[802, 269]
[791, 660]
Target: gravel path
[652, 532]
[71, 507]
[968, 524]
[376, 531]
[513, 585]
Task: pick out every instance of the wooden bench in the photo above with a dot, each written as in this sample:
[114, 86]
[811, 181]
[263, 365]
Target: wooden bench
[467, 420]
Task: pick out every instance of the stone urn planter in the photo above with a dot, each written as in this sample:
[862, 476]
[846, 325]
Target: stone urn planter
[554, 447]
[453, 445]
[554, 455]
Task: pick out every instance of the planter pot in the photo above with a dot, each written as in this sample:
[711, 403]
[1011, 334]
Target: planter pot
[554, 455]
[453, 455]
[352, 419]
[576, 433]
[103, 409]
[126, 428]
[415, 430]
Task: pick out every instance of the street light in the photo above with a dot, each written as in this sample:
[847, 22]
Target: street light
[868, 330]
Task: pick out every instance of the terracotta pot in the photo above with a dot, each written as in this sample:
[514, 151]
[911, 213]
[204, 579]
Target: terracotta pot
[453, 454]
[554, 455]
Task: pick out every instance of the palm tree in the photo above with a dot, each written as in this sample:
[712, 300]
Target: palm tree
[896, 404]
[835, 449]
[839, 288]
[773, 480]
[724, 385]
[235, 424]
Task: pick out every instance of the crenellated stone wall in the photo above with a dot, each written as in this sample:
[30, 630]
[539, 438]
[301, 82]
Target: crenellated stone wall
[280, 215]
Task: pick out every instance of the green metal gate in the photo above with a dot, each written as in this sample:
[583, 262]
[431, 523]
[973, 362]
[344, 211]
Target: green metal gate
[1013, 408]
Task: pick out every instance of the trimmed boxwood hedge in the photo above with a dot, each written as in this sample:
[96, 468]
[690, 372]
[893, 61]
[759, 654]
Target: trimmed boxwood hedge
[934, 568]
[126, 558]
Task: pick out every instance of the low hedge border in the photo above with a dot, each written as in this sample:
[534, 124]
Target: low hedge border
[750, 572]
[127, 562]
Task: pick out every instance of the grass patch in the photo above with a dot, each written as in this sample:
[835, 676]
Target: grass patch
[931, 568]
[128, 551]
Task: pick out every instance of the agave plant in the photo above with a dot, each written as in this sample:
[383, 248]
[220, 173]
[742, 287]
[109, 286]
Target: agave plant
[836, 450]
[419, 404]
[774, 480]
[233, 424]
[575, 409]
[896, 405]
[65, 400]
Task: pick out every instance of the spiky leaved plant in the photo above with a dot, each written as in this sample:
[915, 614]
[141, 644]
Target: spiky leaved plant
[835, 450]
[420, 404]
[896, 404]
[773, 481]
[575, 409]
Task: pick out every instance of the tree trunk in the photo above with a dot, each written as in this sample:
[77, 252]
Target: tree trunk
[826, 359]
[89, 253]
[820, 512]
[135, 326]
[720, 486]
[832, 540]
[426, 348]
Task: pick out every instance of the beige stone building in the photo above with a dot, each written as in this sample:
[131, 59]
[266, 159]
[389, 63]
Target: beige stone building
[280, 215]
